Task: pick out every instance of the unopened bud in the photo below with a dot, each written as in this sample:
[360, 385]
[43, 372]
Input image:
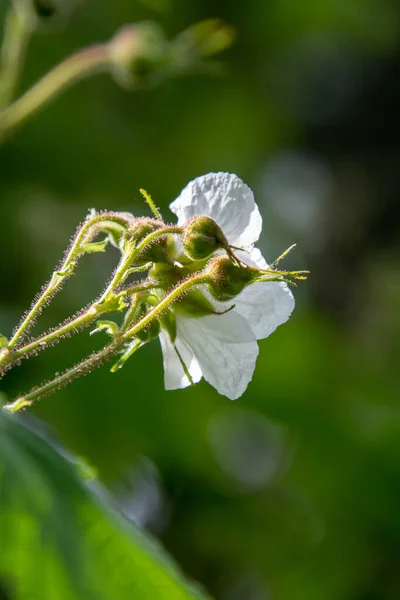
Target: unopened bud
[138, 54]
[157, 251]
[194, 303]
[228, 279]
[202, 237]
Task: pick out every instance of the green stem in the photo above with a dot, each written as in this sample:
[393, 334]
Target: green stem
[57, 280]
[10, 355]
[17, 32]
[108, 351]
[70, 327]
[82, 368]
[126, 261]
[169, 299]
[82, 64]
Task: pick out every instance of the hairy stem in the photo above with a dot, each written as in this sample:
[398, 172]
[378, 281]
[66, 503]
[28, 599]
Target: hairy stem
[82, 64]
[70, 327]
[169, 299]
[108, 351]
[126, 261]
[11, 355]
[59, 277]
[82, 368]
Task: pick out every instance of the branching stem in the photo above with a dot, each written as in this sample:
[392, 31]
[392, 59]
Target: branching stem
[65, 270]
[108, 351]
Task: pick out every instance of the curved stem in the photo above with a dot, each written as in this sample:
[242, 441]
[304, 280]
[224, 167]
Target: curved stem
[59, 276]
[126, 261]
[17, 32]
[10, 355]
[76, 67]
[70, 327]
[108, 351]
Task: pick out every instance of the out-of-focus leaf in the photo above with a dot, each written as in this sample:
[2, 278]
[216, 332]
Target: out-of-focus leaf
[61, 538]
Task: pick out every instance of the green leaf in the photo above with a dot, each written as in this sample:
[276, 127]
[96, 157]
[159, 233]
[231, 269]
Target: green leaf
[109, 327]
[3, 341]
[58, 276]
[92, 247]
[113, 303]
[61, 537]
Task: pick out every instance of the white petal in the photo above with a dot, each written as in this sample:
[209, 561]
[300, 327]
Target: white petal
[174, 375]
[265, 305]
[226, 199]
[225, 348]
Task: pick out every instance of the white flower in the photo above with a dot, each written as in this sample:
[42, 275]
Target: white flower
[223, 348]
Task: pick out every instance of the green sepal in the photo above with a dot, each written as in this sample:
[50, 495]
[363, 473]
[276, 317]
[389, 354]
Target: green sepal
[66, 272]
[127, 353]
[194, 304]
[151, 331]
[58, 276]
[140, 269]
[93, 247]
[108, 326]
[3, 341]
[168, 322]
[113, 303]
[115, 237]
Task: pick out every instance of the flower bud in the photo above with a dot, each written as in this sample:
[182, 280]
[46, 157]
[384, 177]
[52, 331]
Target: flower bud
[228, 279]
[138, 55]
[202, 237]
[194, 303]
[157, 251]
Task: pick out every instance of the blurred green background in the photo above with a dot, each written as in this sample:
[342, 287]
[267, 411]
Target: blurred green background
[293, 491]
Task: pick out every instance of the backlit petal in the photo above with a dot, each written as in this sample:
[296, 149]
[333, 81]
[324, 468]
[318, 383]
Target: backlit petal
[226, 199]
[225, 348]
[174, 374]
[264, 305]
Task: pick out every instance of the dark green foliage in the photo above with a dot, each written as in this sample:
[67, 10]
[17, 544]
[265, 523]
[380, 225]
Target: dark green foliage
[63, 537]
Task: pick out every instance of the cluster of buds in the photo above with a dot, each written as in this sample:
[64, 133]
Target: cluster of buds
[191, 268]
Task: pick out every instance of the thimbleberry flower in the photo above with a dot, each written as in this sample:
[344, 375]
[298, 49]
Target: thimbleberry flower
[223, 348]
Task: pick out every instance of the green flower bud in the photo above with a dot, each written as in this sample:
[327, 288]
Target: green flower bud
[228, 279]
[202, 237]
[194, 303]
[139, 54]
[157, 251]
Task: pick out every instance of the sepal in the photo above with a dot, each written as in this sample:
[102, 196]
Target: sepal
[110, 327]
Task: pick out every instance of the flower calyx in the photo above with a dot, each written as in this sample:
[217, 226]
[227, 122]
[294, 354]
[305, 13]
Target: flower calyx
[227, 279]
[157, 250]
[202, 237]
